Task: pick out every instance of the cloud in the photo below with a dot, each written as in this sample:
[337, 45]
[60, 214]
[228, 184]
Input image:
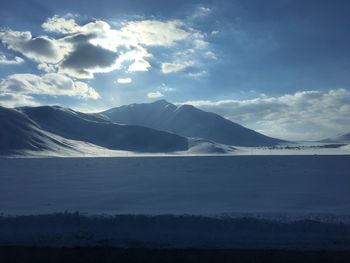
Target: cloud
[198, 74]
[200, 44]
[210, 55]
[40, 49]
[155, 32]
[201, 12]
[6, 61]
[26, 86]
[71, 51]
[87, 59]
[139, 65]
[80, 51]
[165, 88]
[304, 115]
[167, 34]
[156, 94]
[173, 67]
[48, 68]
[124, 80]
[57, 24]
[12, 100]
[187, 58]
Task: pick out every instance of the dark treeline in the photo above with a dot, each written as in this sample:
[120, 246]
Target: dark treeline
[108, 254]
[167, 231]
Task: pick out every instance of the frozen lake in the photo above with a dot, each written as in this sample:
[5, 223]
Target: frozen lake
[176, 185]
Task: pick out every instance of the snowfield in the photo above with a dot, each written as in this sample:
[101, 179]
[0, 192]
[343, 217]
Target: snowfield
[176, 185]
[204, 201]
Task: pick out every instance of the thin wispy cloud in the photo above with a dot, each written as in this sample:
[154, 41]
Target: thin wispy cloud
[25, 86]
[198, 74]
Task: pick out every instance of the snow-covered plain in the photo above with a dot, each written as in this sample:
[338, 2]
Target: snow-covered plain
[197, 147]
[176, 185]
[230, 201]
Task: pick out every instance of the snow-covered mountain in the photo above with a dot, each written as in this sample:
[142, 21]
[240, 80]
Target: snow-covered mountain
[186, 120]
[183, 130]
[43, 128]
[18, 133]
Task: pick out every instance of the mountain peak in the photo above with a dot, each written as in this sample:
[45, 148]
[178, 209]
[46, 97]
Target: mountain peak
[161, 102]
[186, 106]
[189, 121]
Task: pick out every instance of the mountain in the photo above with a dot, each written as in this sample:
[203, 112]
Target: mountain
[18, 133]
[344, 138]
[35, 128]
[84, 127]
[158, 127]
[186, 120]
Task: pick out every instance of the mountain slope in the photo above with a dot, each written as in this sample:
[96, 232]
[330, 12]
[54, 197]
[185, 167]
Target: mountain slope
[88, 128]
[19, 133]
[188, 121]
[344, 138]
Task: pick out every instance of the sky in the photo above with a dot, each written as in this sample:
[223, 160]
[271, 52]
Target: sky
[280, 67]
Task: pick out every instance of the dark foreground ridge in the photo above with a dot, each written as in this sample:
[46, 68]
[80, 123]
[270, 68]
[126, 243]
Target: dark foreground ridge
[109, 254]
[169, 231]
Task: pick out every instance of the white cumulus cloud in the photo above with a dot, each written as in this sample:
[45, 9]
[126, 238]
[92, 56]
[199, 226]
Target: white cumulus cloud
[139, 65]
[26, 86]
[10, 100]
[174, 67]
[40, 49]
[155, 94]
[6, 61]
[61, 25]
[155, 32]
[124, 80]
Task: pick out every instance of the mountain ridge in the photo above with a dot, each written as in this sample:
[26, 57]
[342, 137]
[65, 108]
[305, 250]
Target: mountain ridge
[342, 138]
[34, 128]
[189, 121]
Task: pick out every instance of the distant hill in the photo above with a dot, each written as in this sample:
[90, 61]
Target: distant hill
[189, 121]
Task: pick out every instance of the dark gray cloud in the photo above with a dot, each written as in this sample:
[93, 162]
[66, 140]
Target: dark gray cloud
[40, 49]
[89, 56]
[85, 57]
[40, 46]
